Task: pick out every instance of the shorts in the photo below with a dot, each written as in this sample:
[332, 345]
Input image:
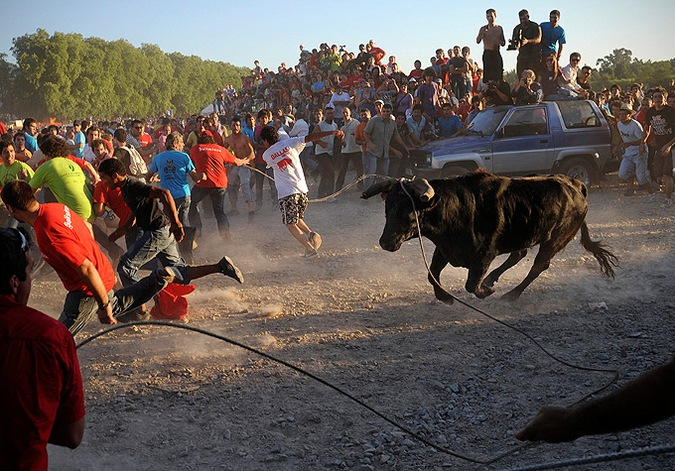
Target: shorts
[663, 166]
[293, 207]
[634, 165]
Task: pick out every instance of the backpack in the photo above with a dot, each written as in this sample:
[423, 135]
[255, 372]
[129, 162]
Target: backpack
[137, 166]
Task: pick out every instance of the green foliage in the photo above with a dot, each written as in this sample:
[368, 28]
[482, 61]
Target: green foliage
[68, 76]
[621, 68]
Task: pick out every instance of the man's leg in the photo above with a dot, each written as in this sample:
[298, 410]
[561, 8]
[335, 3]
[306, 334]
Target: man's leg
[78, 310]
[198, 194]
[245, 177]
[233, 188]
[383, 166]
[142, 251]
[369, 168]
[218, 203]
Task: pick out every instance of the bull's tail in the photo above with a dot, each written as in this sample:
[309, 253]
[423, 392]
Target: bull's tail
[606, 258]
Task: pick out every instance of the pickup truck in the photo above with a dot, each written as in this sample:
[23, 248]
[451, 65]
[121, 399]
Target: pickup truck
[570, 137]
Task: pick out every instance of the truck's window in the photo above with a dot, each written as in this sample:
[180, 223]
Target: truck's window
[578, 114]
[486, 121]
[526, 122]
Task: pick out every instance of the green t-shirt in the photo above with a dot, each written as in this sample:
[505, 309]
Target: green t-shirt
[7, 174]
[68, 183]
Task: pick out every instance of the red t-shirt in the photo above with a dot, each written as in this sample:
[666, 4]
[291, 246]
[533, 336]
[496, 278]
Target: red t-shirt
[41, 384]
[211, 159]
[65, 241]
[112, 197]
[145, 139]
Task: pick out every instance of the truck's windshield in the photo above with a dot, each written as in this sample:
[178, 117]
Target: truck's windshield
[486, 121]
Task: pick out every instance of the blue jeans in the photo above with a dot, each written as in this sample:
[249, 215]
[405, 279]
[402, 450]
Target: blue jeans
[240, 176]
[159, 244]
[374, 164]
[217, 196]
[183, 209]
[80, 308]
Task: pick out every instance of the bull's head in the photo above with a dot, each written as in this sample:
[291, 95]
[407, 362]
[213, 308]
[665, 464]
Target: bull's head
[399, 196]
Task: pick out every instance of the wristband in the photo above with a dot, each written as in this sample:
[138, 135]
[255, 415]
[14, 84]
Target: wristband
[104, 305]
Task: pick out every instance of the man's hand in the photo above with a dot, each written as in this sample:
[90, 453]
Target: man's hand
[551, 425]
[116, 234]
[105, 315]
[178, 232]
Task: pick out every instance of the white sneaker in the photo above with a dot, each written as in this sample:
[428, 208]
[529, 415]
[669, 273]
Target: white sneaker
[311, 254]
[667, 203]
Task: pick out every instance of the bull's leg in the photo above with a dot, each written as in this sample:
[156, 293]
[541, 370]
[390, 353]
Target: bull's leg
[474, 281]
[494, 275]
[438, 263]
[541, 263]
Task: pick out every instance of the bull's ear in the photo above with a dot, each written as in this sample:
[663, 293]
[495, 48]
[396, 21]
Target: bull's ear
[422, 189]
[379, 187]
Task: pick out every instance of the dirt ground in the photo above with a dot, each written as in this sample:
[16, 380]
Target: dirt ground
[366, 321]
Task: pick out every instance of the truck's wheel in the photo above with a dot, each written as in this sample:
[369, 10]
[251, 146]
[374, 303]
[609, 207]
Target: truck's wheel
[578, 168]
[454, 171]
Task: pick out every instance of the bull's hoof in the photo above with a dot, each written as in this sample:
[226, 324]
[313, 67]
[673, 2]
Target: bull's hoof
[444, 297]
[488, 282]
[511, 296]
[483, 292]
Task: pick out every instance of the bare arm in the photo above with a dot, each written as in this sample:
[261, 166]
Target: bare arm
[99, 209]
[69, 435]
[164, 196]
[320, 135]
[648, 399]
[481, 33]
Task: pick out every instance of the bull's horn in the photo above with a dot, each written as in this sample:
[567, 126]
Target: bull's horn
[422, 189]
[379, 187]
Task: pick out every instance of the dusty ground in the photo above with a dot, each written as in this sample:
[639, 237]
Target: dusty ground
[366, 321]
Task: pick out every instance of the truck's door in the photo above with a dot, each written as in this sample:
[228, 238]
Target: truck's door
[523, 144]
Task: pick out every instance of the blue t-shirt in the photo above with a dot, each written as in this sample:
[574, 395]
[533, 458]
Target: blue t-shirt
[551, 36]
[31, 143]
[248, 132]
[173, 167]
[449, 126]
[79, 138]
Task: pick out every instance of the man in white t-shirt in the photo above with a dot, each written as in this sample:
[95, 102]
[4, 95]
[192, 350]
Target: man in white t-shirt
[633, 163]
[284, 158]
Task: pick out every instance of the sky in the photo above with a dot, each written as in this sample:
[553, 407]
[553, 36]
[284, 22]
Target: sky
[271, 31]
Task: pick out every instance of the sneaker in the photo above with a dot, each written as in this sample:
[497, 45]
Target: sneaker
[227, 268]
[233, 212]
[315, 240]
[651, 197]
[258, 205]
[138, 314]
[172, 275]
[667, 203]
[251, 216]
[310, 254]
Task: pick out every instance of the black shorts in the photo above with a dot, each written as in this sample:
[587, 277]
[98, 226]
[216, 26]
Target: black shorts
[663, 166]
[293, 207]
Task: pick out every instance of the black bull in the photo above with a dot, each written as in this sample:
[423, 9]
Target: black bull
[474, 218]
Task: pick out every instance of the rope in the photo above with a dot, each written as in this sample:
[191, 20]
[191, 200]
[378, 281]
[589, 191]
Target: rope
[337, 193]
[299, 370]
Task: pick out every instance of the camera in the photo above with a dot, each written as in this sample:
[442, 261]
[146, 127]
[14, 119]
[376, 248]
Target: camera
[514, 44]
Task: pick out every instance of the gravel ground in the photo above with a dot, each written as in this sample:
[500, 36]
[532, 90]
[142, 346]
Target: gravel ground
[366, 321]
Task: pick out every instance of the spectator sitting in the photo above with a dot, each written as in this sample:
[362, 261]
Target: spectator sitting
[448, 124]
[527, 91]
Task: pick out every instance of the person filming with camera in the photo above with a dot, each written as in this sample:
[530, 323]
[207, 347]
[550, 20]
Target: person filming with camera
[525, 39]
